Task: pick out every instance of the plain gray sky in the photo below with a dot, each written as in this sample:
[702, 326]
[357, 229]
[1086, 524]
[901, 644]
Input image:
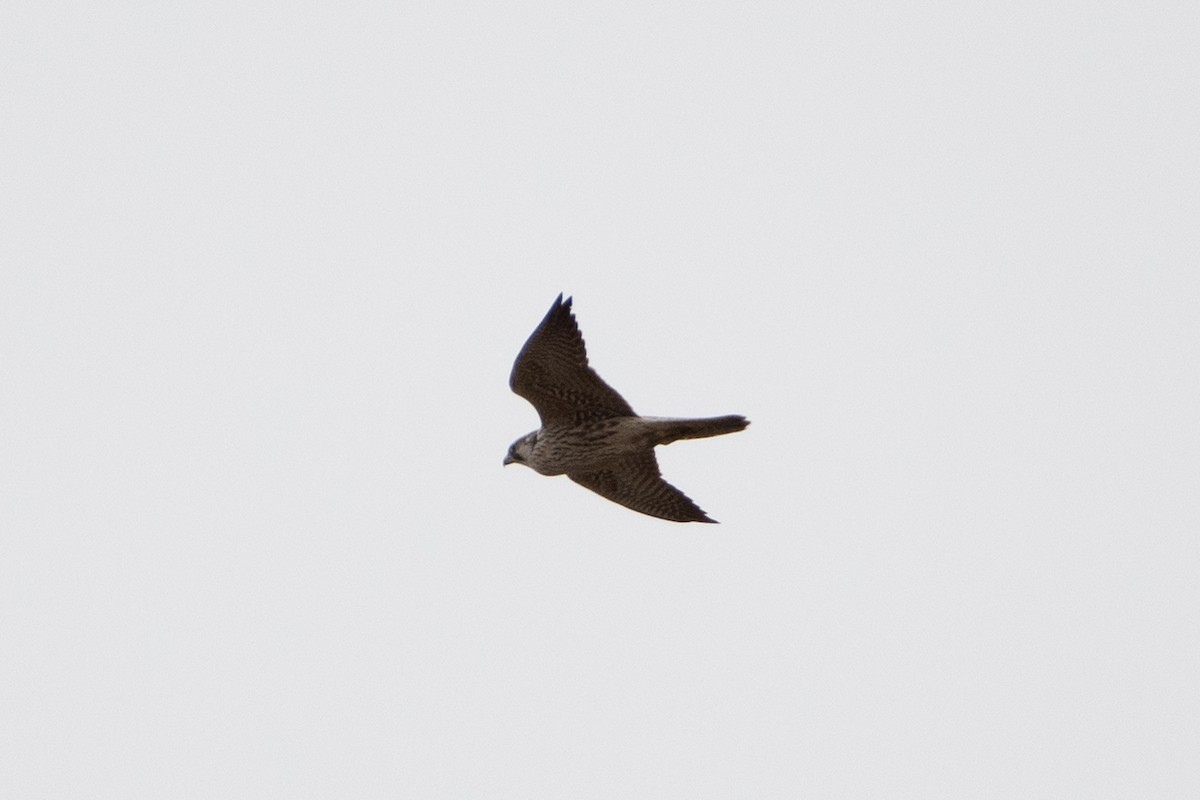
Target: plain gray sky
[266, 268]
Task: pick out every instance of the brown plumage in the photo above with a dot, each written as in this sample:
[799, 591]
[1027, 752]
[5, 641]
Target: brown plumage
[589, 433]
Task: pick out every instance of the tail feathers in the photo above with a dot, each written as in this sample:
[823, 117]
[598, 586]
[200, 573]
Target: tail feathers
[671, 430]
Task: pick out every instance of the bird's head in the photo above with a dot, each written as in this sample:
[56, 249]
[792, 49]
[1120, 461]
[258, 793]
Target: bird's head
[520, 451]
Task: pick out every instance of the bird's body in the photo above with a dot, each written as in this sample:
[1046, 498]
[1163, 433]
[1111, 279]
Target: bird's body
[563, 449]
[589, 433]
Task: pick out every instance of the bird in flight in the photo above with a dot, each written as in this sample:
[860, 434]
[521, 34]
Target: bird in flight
[589, 433]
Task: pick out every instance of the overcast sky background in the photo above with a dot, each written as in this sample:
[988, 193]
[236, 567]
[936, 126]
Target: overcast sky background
[265, 271]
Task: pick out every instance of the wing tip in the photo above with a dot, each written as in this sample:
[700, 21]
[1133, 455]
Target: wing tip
[693, 514]
[559, 309]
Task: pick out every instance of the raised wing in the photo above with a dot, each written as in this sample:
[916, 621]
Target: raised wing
[552, 373]
[636, 483]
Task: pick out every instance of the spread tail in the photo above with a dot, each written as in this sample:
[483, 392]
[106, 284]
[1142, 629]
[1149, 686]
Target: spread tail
[670, 430]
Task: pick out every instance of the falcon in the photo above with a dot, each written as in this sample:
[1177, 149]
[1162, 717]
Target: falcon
[589, 433]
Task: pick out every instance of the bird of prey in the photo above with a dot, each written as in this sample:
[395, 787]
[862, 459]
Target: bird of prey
[589, 433]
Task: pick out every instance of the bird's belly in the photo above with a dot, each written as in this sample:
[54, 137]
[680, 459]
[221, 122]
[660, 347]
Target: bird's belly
[590, 446]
